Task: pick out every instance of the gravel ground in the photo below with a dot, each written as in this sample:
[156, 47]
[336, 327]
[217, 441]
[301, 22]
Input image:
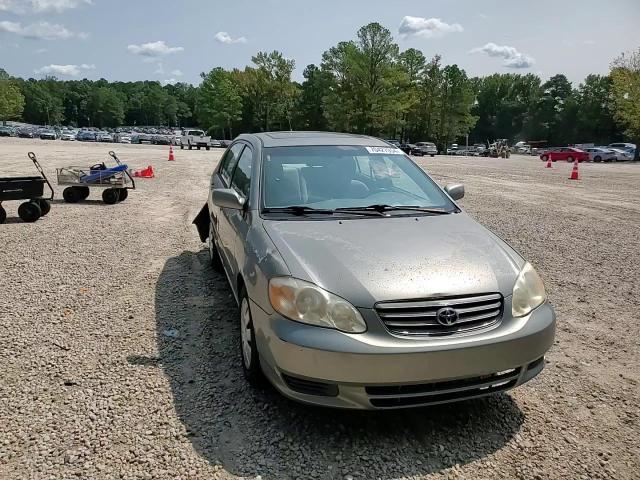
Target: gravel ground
[118, 344]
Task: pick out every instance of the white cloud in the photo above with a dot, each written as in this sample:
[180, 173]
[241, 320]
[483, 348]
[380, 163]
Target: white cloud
[177, 73]
[22, 7]
[40, 31]
[159, 70]
[483, 16]
[224, 37]
[65, 70]
[426, 27]
[170, 81]
[512, 57]
[153, 49]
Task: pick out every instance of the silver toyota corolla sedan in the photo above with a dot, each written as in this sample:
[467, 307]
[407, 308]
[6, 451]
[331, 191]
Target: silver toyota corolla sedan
[360, 282]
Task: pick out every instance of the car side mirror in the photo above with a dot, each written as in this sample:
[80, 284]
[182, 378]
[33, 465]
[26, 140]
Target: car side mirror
[455, 191]
[227, 198]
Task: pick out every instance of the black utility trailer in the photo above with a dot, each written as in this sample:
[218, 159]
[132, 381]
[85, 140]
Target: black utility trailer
[26, 188]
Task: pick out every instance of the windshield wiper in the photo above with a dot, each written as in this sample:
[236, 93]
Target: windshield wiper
[303, 210]
[386, 208]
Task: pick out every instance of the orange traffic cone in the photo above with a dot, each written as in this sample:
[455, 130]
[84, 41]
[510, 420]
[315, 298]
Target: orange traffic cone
[575, 175]
[171, 157]
[548, 162]
[136, 173]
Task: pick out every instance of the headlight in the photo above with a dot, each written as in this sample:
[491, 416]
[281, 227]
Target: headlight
[307, 303]
[528, 292]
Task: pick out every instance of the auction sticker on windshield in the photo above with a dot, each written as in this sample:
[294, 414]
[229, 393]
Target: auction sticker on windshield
[384, 150]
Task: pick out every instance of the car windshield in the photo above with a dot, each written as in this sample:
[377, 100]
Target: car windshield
[337, 177]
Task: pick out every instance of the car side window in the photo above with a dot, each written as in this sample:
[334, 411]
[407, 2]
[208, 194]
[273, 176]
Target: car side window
[242, 175]
[230, 161]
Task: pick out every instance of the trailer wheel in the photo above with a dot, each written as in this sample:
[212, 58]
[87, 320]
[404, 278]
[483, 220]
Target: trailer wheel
[198, 147]
[123, 194]
[70, 195]
[82, 192]
[190, 146]
[44, 204]
[208, 148]
[110, 196]
[181, 147]
[29, 211]
[3, 215]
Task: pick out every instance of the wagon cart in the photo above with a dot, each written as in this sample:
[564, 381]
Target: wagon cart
[26, 188]
[115, 181]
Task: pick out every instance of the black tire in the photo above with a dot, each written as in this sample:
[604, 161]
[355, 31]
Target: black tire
[124, 194]
[198, 147]
[190, 146]
[181, 147]
[250, 359]
[82, 192]
[597, 158]
[569, 159]
[545, 158]
[208, 148]
[214, 256]
[71, 195]
[29, 212]
[110, 196]
[45, 205]
[3, 215]
[432, 156]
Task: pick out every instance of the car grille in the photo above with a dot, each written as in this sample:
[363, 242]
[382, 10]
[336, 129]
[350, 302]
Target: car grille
[394, 396]
[310, 387]
[420, 317]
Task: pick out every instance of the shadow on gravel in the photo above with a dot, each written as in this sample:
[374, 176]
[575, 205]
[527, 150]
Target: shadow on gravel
[250, 432]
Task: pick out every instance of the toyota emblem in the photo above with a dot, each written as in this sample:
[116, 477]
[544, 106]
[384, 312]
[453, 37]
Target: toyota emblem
[447, 316]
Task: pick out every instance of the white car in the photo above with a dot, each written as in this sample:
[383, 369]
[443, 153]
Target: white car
[68, 135]
[623, 155]
[601, 154]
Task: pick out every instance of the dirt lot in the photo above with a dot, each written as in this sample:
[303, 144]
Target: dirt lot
[118, 344]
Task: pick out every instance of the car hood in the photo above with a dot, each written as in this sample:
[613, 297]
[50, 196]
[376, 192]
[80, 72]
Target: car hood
[368, 260]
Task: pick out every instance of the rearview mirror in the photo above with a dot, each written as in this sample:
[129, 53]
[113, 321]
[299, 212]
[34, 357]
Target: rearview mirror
[455, 191]
[227, 198]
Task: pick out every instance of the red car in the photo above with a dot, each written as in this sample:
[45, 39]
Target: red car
[569, 154]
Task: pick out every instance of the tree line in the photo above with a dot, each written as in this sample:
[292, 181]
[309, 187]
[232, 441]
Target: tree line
[366, 85]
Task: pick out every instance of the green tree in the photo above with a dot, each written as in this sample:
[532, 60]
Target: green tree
[105, 107]
[41, 105]
[11, 99]
[220, 103]
[310, 109]
[625, 75]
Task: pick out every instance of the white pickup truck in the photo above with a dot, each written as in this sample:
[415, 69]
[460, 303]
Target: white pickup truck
[194, 138]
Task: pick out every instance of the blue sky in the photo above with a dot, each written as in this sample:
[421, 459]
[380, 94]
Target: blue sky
[175, 41]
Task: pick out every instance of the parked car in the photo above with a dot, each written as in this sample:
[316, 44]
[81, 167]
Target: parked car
[6, 131]
[428, 148]
[48, 134]
[631, 147]
[123, 138]
[623, 155]
[453, 149]
[327, 311]
[601, 154]
[395, 143]
[26, 133]
[159, 139]
[225, 143]
[411, 149]
[215, 143]
[569, 154]
[104, 137]
[86, 136]
[68, 135]
[195, 138]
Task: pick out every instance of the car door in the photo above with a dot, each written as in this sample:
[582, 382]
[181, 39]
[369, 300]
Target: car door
[219, 216]
[239, 220]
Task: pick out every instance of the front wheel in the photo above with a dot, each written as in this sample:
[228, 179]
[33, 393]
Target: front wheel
[110, 196]
[569, 159]
[214, 257]
[208, 148]
[181, 147]
[545, 158]
[44, 204]
[29, 212]
[597, 158]
[248, 348]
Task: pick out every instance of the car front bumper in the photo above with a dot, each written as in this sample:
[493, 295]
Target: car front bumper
[377, 370]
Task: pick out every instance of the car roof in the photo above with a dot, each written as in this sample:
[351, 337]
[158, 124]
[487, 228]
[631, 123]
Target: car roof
[301, 139]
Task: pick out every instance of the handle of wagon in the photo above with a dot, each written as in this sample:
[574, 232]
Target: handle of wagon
[33, 158]
[113, 155]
